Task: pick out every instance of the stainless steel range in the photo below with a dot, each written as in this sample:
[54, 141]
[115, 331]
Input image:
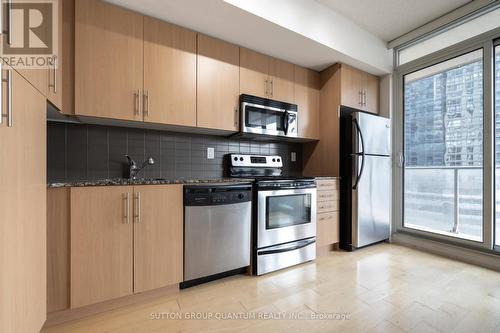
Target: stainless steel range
[284, 222]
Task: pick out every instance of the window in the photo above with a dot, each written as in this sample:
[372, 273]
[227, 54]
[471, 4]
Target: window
[443, 148]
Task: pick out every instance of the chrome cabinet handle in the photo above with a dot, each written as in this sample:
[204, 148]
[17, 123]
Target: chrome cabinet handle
[272, 87]
[360, 96]
[236, 118]
[7, 115]
[138, 207]
[146, 103]
[267, 88]
[54, 73]
[329, 217]
[137, 97]
[364, 97]
[126, 198]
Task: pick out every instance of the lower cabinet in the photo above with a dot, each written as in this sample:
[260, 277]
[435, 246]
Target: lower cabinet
[124, 240]
[327, 219]
[158, 236]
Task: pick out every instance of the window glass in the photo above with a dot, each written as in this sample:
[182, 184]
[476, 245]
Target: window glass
[443, 148]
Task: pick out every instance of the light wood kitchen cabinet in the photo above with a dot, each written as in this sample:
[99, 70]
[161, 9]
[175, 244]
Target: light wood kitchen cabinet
[281, 76]
[266, 77]
[218, 84]
[22, 206]
[307, 99]
[108, 61]
[254, 73]
[101, 244]
[340, 85]
[359, 90]
[58, 248]
[124, 240]
[327, 218]
[158, 241]
[169, 74]
[61, 84]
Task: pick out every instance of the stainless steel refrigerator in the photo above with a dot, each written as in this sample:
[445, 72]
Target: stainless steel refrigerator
[365, 179]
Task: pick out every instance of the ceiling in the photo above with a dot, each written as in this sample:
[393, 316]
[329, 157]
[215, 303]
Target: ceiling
[389, 19]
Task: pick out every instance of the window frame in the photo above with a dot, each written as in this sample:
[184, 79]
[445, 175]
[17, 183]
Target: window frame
[496, 43]
[486, 42]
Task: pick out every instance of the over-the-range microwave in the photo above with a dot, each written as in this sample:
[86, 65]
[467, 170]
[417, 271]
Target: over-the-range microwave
[268, 117]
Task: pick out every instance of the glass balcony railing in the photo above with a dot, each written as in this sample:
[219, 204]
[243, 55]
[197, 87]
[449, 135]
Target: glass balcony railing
[445, 200]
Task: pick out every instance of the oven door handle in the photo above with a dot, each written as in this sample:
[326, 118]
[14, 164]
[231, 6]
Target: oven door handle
[300, 245]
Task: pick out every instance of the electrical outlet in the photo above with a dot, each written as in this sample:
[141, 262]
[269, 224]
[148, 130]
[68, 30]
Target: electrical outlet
[293, 157]
[210, 153]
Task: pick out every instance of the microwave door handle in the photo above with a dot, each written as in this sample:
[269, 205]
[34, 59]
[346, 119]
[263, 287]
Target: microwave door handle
[286, 122]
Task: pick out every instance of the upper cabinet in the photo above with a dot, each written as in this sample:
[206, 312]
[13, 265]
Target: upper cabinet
[281, 80]
[218, 84]
[60, 85]
[267, 77]
[307, 99]
[169, 74]
[359, 89]
[254, 73]
[108, 61]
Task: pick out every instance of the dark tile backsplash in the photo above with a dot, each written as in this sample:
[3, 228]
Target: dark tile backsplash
[88, 152]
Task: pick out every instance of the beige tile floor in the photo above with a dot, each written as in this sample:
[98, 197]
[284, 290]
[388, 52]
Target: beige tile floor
[384, 288]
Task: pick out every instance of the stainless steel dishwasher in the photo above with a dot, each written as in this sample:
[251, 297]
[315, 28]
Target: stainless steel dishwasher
[217, 227]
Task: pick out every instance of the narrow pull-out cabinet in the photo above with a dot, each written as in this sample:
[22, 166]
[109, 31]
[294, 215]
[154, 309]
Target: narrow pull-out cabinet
[327, 219]
[22, 205]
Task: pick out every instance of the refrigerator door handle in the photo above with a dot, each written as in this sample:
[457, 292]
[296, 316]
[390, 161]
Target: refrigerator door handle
[362, 154]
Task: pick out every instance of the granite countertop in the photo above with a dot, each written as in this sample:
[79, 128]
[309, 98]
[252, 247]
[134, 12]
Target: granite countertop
[123, 182]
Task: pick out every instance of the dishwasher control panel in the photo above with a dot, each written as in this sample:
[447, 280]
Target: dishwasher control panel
[205, 195]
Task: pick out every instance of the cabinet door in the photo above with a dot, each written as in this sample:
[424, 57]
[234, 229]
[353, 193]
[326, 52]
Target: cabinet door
[169, 73]
[352, 83]
[60, 89]
[254, 77]
[371, 84]
[108, 60]
[23, 209]
[327, 229]
[101, 244]
[218, 84]
[282, 80]
[158, 236]
[307, 99]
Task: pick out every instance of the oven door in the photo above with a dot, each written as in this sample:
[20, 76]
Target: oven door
[260, 119]
[285, 216]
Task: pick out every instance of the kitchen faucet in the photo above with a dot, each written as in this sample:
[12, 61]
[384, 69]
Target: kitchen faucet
[134, 170]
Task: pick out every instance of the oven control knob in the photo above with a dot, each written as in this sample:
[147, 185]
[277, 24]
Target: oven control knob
[241, 196]
[279, 160]
[236, 158]
[241, 159]
[274, 160]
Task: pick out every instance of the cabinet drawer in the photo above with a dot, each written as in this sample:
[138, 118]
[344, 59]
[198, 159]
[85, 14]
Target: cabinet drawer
[327, 206]
[332, 195]
[327, 229]
[327, 184]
